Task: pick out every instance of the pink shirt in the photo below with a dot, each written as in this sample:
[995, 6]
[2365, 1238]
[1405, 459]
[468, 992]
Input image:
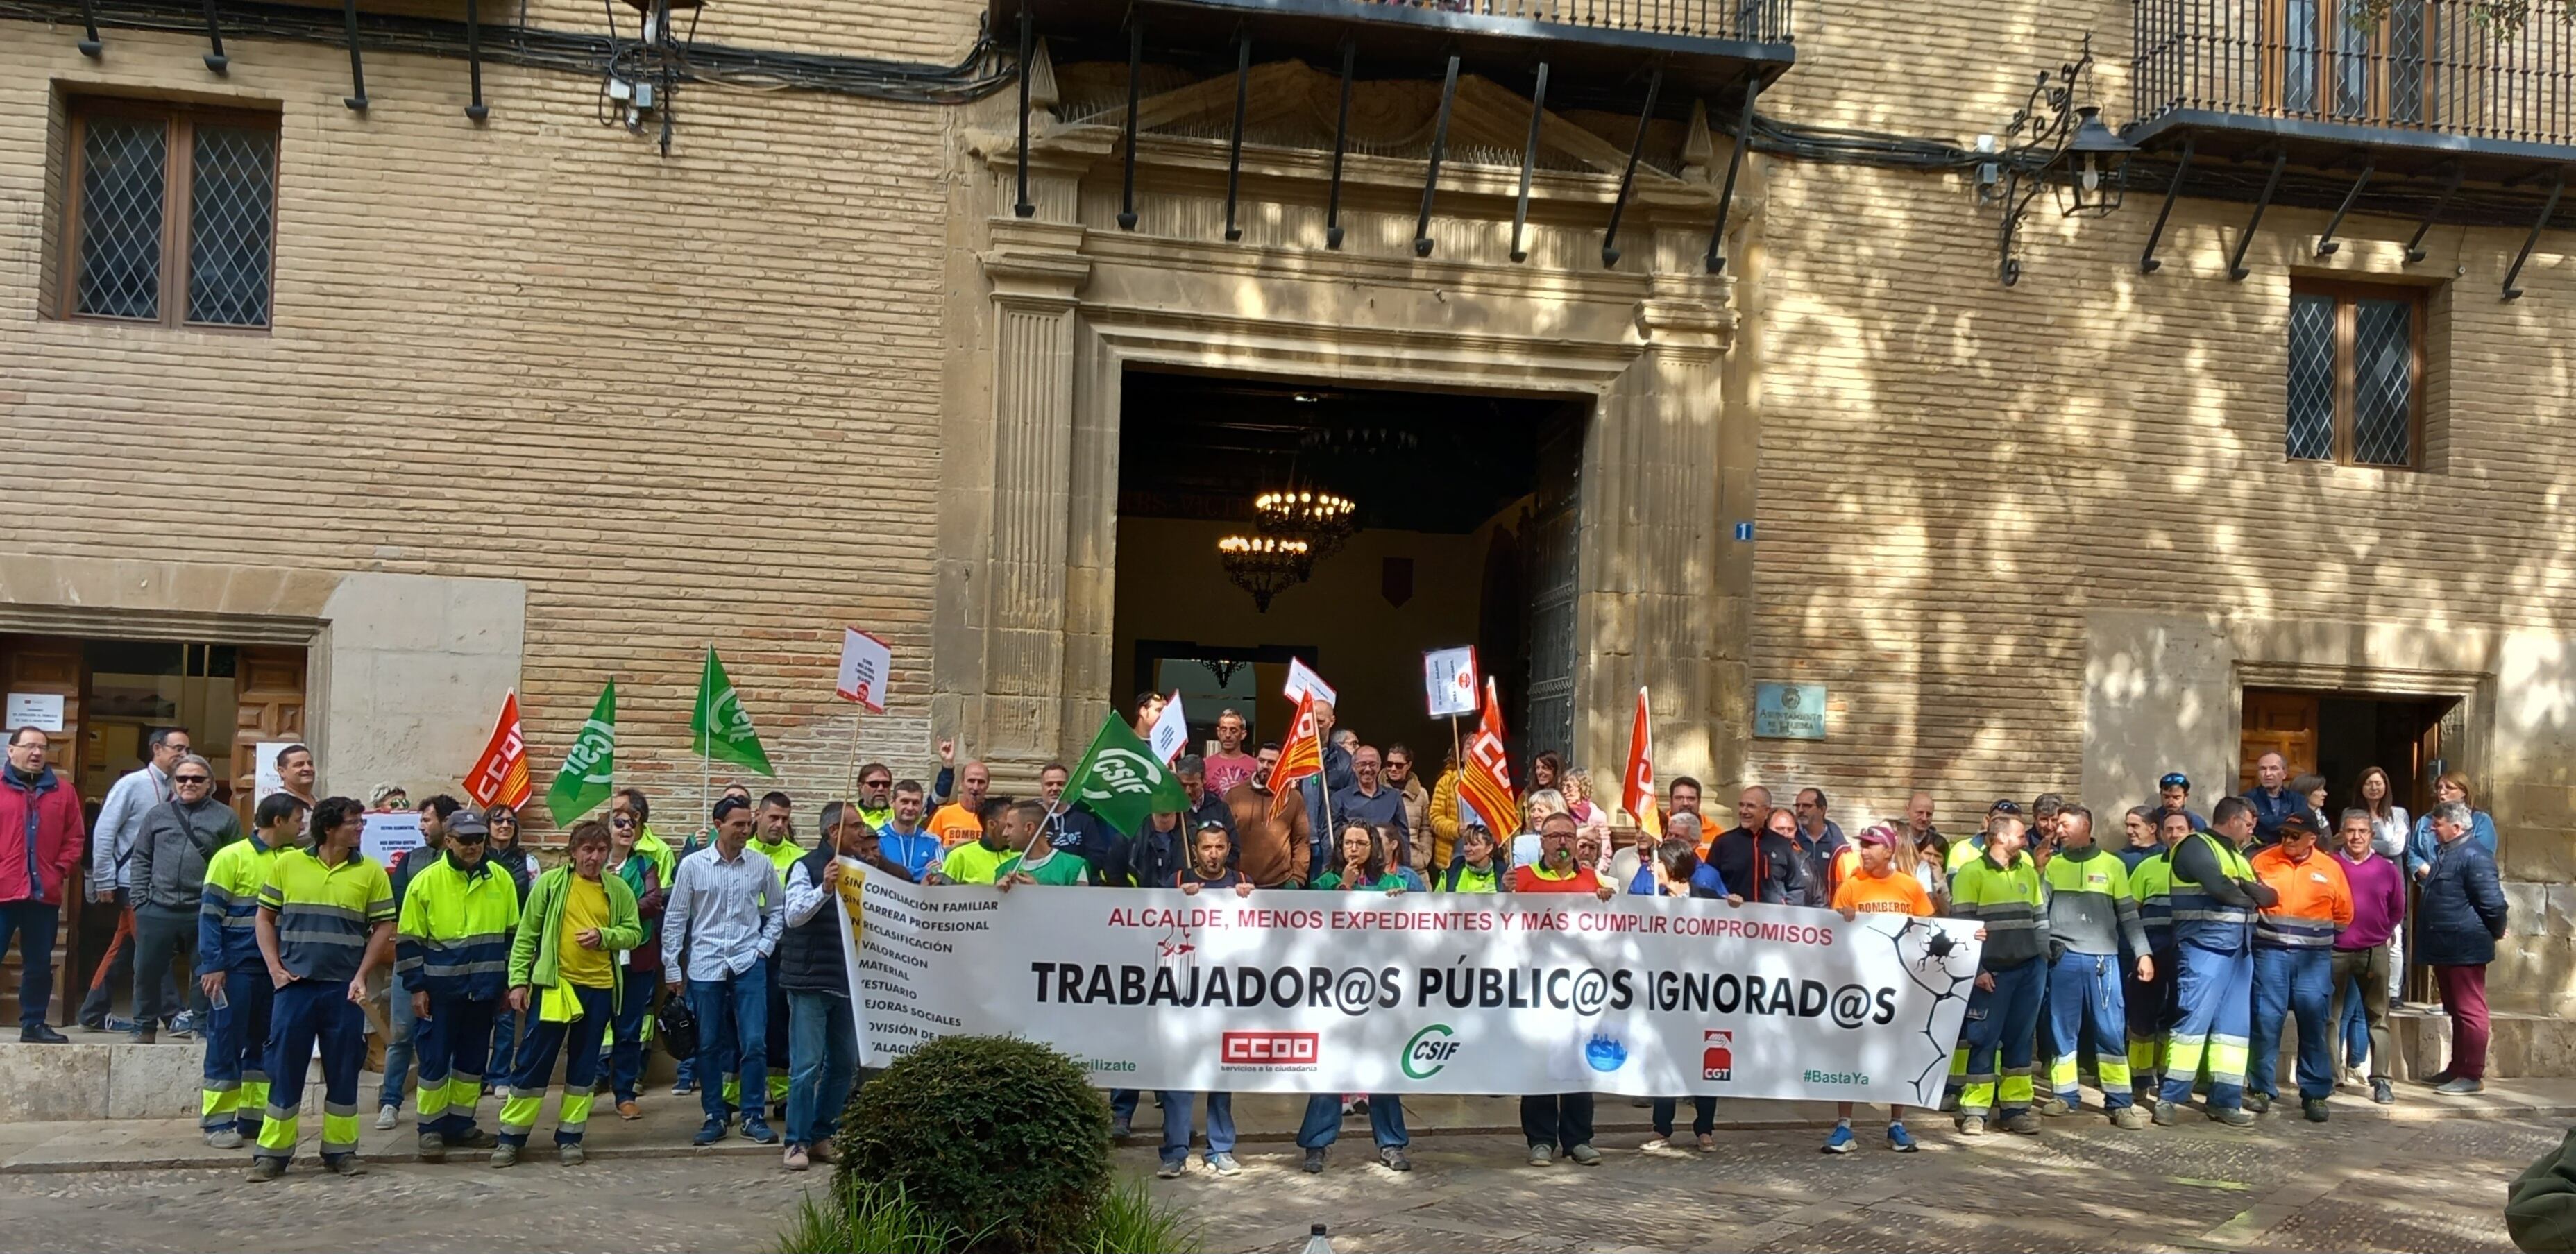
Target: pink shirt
[1225, 770]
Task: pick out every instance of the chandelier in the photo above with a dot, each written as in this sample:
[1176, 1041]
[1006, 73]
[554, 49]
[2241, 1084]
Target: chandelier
[1265, 566]
[1321, 521]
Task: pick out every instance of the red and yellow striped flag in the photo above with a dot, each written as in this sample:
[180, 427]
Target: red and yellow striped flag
[1300, 755]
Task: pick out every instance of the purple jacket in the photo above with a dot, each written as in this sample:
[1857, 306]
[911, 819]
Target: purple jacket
[2378, 900]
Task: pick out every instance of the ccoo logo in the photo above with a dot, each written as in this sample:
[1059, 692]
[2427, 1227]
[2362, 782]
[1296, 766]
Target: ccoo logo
[1430, 1051]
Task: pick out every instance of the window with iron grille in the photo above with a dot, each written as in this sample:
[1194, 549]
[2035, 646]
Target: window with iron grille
[170, 214]
[2356, 374]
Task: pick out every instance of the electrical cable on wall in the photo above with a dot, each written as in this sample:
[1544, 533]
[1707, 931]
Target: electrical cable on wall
[980, 73]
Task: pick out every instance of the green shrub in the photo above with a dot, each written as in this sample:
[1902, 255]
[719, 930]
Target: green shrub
[879, 1219]
[1130, 1221]
[1003, 1139]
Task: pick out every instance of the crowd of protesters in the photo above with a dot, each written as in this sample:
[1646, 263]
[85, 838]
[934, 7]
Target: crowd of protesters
[2164, 958]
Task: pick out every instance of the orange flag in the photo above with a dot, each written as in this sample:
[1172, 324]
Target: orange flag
[500, 776]
[1300, 755]
[1487, 785]
[1637, 786]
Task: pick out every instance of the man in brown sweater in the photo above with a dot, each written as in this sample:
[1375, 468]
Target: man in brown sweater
[1273, 844]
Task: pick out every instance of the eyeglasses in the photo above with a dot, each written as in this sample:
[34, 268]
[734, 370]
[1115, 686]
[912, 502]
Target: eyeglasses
[190, 779]
[465, 838]
[876, 783]
[622, 820]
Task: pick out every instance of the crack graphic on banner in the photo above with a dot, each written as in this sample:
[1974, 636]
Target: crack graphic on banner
[1927, 950]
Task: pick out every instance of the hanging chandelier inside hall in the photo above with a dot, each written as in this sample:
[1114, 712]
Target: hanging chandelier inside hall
[1319, 520]
[1265, 566]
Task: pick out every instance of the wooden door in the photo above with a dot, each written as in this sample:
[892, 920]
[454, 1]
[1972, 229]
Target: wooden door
[2277, 722]
[50, 665]
[268, 692]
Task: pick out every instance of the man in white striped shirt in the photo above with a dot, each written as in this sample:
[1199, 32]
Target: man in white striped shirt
[721, 923]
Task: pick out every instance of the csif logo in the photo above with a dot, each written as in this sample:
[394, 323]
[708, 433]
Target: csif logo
[596, 741]
[1430, 1051]
[1119, 771]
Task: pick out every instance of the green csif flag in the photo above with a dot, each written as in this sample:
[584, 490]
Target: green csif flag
[721, 728]
[583, 781]
[1121, 782]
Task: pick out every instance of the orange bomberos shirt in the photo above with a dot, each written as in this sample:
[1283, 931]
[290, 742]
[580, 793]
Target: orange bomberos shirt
[955, 825]
[1892, 893]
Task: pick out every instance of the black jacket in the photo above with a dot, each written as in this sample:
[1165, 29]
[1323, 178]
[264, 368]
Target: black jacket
[809, 953]
[2460, 915]
[1781, 876]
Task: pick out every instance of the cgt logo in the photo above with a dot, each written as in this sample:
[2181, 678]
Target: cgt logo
[1269, 1051]
[1717, 1055]
[1430, 1051]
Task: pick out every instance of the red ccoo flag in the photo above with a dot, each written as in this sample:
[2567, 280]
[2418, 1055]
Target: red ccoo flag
[1637, 787]
[1488, 783]
[1300, 755]
[500, 776]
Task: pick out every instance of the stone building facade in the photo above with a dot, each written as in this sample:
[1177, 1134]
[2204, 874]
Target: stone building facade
[538, 406]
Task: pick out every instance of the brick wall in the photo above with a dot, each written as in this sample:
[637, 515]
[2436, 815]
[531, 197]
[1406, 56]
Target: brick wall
[684, 399]
[1953, 473]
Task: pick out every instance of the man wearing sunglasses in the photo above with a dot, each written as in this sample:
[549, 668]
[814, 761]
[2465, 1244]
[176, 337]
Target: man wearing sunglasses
[177, 839]
[876, 795]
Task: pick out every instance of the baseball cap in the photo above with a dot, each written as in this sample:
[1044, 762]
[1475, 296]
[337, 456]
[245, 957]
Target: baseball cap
[2174, 779]
[1878, 834]
[2297, 825]
[468, 822]
[2005, 806]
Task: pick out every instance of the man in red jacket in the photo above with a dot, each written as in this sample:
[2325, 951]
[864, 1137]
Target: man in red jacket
[40, 843]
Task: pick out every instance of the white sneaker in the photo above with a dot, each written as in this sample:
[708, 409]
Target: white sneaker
[385, 1117]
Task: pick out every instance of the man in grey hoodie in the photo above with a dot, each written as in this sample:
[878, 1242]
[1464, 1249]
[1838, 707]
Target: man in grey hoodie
[169, 879]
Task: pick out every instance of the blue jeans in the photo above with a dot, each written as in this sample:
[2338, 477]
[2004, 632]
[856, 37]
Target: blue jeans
[2292, 982]
[1703, 1115]
[400, 1027]
[626, 1050]
[34, 923]
[733, 1030]
[2356, 1026]
[1323, 1123]
[1220, 1124]
[2002, 1027]
[822, 1060]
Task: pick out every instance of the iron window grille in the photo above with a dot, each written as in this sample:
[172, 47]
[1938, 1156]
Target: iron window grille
[2356, 372]
[169, 215]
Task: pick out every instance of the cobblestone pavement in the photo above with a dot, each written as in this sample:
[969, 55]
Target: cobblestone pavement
[2351, 1185]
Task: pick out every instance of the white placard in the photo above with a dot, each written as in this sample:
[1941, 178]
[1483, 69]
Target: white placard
[1362, 992]
[1171, 732]
[1449, 680]
[390, 835]
[867, 663]
[40, 710]
[264, 759]
[1302, 679]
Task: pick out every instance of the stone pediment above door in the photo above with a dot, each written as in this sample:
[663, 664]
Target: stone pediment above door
[1292, 106]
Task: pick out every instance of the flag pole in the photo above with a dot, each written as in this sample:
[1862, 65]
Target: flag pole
[706, 758]
[852, 778]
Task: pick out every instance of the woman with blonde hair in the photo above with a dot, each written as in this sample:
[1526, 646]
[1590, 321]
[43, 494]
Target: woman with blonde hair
[2452, 786]
[1577, 787]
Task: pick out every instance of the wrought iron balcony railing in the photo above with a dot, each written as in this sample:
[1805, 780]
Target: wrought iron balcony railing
[2425, 69]
[1754, 21]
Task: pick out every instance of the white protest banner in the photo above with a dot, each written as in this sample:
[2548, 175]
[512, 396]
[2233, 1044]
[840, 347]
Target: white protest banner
[1289, 991]
[1171, 732]
[866, 663]
[390, 835]
[1302, 679]
[1449, 680]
